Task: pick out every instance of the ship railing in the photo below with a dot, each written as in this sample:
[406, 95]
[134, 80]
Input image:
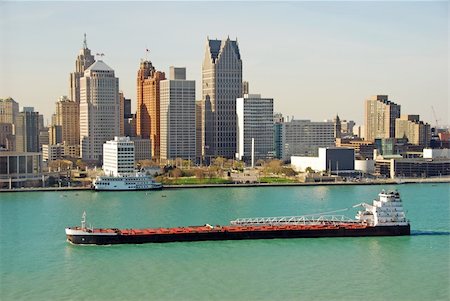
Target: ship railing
[296, 220]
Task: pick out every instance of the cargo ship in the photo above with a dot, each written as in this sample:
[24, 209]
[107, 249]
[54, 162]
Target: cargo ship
[384, 217]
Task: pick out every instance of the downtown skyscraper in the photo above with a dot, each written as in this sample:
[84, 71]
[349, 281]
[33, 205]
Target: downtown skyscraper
[177, 116]
[148, 105]
[84, 60]
[221, 86]
[99, 110]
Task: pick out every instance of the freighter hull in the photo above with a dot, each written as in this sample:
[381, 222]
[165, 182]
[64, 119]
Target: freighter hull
[99, 239]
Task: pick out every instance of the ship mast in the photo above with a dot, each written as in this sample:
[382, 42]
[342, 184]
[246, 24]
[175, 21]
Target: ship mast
[83, 220]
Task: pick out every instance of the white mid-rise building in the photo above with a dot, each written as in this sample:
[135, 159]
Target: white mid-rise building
[52, 152]
[99, 110]
[118, 156]
[254, 121]
[177, 116]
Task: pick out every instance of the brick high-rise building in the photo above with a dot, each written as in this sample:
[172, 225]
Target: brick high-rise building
[380, 116]
[148, 105]
[221, 85]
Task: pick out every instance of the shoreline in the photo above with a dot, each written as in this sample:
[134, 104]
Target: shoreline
[193, 186]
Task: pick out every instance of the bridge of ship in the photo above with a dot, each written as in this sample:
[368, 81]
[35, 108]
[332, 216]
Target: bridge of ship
[296, 220]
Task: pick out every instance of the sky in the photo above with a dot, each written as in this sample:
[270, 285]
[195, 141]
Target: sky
[316, 59]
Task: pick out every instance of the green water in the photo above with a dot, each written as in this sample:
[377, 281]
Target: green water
[36, 262]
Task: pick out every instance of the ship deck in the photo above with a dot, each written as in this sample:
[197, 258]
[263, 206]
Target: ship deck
[218, 229]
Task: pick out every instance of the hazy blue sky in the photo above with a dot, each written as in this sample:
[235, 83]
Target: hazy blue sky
[315, 59]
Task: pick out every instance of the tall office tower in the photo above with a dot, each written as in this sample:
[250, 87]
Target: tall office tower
[99, 110]
[125, 113]
[148, 107]
[245, 88]
[254, 121]
[417, 132]
[27, 130]
[118, 156]
[9, 109]
[347, 127]
[127, 108]
[380, 115]
[278, 135]
[303, 137]
[121, 114]
[221, 86]
[68, 117]
[130, 126]
[54, 134]
[84, 60]
[198, 130]
[44, 137]
[337, 127]
[7, 139]
[177, 111]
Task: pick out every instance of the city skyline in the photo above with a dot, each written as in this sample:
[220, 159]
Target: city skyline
[314, 59]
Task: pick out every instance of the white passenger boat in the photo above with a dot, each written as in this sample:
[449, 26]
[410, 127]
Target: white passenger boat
[137, 181]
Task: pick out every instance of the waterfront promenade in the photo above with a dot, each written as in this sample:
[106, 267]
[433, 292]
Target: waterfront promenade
[184, 186]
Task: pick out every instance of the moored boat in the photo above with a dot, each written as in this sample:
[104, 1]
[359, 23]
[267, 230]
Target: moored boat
[384, 217]
[136, 181]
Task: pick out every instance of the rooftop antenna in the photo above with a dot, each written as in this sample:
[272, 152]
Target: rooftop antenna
[146, 53]
[85, 42]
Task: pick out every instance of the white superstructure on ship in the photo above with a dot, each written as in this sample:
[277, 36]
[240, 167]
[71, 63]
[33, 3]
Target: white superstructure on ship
[387, 210]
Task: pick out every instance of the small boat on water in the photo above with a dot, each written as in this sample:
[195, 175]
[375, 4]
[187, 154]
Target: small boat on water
[384, 217]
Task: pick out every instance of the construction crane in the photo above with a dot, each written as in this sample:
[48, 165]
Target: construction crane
[435, 117]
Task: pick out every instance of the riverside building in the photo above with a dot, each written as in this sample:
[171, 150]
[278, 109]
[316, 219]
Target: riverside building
[27, 130]
[380, 116]
[99, 110]
[302, 137]
[118, 156]
[221, 86]
[177, 109]
[18, 169]
[254, 122]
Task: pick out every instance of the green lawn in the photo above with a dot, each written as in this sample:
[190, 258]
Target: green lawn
[191, 181]
[275, 180]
